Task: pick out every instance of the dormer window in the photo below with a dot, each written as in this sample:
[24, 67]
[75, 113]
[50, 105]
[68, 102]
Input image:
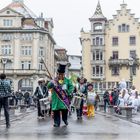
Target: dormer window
[97, 26]
[8, 12]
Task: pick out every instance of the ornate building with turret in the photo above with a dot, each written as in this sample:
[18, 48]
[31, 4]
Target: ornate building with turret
[25, 39]
[110, 50]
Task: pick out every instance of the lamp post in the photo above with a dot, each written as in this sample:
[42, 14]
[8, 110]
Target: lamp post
[101, 84]
[81, 71]
[4, 61]
[131, 62]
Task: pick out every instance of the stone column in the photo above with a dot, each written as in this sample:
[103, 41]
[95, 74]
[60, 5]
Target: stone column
[16, 52]
[35, 51]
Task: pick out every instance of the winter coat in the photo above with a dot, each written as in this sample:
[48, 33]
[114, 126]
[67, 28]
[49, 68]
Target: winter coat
[38, 94]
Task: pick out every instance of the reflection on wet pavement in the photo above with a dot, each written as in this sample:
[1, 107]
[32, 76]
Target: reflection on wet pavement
[98, 128]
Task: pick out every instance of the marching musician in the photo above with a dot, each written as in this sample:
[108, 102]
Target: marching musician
[62, 88]
[40, 92]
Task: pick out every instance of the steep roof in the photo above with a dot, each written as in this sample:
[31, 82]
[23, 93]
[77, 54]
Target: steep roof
[98, 12]
[21, 8]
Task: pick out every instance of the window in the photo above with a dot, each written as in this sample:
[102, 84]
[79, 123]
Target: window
[115, 55]
[97, 71]
[41, 37]
[115, 70]
[94, 58]
[101, 55]
[26, 50]
[101, 41]
[98, 41]
[127, 28]
[119, 28]
[26, 65]
[6, 49]
[8, 12]
[132, 40]
[94, 71]
[26, 83]
[133, 54]
[97, 55]
[115, 41]
[40, 66]
[8, 22]
[94, 41]
[123, 28]
[7, 37]
[8, 65]
[41, 51]
[26, 37]
[97, 26]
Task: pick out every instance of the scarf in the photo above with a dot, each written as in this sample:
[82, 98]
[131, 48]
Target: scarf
[61, 94]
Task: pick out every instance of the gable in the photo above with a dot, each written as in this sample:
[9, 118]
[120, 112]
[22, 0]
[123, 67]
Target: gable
[123, 17]
[7, 12]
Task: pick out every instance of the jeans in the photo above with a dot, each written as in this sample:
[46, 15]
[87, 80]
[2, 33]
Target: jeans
[105, 104]
[80, 110]
[39, 112]
[4, 104]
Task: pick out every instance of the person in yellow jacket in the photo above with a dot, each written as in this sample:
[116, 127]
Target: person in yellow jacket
[90, 100]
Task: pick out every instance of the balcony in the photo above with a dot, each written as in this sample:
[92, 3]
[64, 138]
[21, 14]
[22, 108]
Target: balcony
[97, 77]
[98, 47]
[94, 32]
[24, 72]
[122, 62]
[97, 62]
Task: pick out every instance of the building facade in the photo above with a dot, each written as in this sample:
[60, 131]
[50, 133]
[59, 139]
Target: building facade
[25, 39]
[61, 57]
[75, 65]
[110, 51]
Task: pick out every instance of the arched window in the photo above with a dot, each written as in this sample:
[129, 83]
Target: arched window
[26, 83]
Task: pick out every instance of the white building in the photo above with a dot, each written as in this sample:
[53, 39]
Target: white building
[24, 40]
[75, 65]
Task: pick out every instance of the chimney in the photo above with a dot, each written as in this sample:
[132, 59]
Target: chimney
[18, 1]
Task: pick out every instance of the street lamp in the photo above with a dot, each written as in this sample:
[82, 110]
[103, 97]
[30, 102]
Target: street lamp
[81, 71]
[102, 78]
[131, 62]
[4, 61]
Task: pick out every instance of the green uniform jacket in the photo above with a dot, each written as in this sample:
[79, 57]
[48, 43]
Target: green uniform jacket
[57, 104]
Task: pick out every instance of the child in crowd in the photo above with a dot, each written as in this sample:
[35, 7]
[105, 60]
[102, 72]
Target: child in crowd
[91, 95]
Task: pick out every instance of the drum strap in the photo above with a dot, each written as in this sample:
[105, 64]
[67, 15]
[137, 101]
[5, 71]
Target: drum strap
[41, 91]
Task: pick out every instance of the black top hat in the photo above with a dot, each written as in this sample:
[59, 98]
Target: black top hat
[61, 68]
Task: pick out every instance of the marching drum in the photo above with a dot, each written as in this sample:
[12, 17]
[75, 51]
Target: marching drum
[44, 104]
[76, 101]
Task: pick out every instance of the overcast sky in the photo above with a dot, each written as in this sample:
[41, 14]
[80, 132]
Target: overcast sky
[69, 16]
